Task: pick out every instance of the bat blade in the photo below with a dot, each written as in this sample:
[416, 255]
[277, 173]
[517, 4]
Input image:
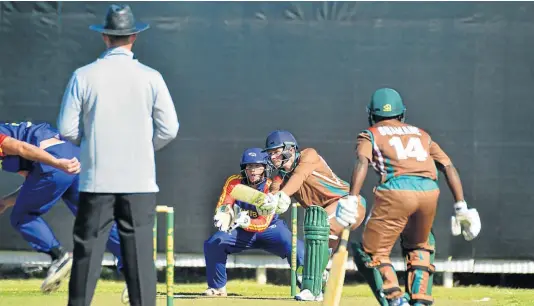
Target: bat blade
[248, 194]
[334, 286]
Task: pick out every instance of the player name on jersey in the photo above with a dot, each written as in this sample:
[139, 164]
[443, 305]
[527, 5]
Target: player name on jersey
[398, 130]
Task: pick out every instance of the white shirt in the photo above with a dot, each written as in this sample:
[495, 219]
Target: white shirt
[120, 112]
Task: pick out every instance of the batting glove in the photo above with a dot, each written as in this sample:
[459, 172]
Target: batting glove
[269, 206]
[284, 201]
[465, 221]
[347, 211]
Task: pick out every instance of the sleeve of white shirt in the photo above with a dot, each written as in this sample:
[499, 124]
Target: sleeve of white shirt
[164, 115]
[68, 121]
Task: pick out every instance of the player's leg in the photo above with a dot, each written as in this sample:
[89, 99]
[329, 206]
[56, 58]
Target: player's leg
[418, 247]
[384, 226]
[417, 276]
[41, 190]
[316, 254]
[276, 239]
[216, 251]
[333, 238]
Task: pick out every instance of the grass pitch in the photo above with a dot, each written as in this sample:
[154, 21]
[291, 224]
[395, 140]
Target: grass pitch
[26, 293]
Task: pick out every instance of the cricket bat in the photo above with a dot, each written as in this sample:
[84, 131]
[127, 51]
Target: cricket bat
[334, 286]
[248, 194]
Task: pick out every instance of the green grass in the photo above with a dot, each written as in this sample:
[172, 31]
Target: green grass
[26, 293]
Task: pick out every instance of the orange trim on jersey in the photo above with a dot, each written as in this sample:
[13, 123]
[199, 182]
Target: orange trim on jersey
[225, 198]
[262, 226]
[2, 138]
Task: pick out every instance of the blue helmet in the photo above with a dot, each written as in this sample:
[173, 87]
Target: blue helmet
[253, 156]
[280, 139]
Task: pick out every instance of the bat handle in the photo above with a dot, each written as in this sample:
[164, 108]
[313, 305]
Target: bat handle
[344, 238]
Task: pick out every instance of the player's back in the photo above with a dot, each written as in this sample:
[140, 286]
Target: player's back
[400, 149]
[29, 132]
[26, 132]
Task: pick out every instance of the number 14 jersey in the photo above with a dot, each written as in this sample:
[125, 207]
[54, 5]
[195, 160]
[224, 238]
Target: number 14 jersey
[398, 149]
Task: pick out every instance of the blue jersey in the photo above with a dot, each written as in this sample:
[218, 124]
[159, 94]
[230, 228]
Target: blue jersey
[27, 132]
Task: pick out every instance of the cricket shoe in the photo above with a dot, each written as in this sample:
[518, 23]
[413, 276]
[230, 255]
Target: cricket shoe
[125, 298]
[215, 292]
[326, 274]
[58, 271]
[307, 296]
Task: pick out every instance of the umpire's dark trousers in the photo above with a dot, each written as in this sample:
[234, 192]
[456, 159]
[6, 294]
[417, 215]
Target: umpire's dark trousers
[134, 214]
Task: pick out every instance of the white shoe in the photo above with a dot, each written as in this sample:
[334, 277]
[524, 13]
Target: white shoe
[326, 275]
[306, 295]
[215, 292]
[125, 298]
[58, 271]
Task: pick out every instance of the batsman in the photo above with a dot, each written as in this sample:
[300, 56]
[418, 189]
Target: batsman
[242, 228]
[405, 203]
[306, 176]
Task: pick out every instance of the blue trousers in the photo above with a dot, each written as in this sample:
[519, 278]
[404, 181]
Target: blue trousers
[275, 240]
[43, 188]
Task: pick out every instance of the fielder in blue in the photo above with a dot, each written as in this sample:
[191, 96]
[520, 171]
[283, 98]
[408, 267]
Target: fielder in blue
[43, 187]
[240, 226]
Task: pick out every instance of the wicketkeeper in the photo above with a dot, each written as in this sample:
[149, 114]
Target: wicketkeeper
[242, 228]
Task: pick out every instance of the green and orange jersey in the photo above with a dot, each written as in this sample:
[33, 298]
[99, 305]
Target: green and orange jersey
[257, 223]
[399, 150]
[312, 182]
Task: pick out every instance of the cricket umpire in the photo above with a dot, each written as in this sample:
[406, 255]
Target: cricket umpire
[120, 112]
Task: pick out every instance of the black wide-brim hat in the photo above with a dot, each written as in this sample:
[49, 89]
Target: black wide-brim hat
[120, 21]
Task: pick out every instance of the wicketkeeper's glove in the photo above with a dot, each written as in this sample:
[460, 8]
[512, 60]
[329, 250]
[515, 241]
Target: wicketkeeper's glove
[223, 218]
[242, 220]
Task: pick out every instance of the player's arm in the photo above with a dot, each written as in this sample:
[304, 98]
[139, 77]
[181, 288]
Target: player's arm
[364, 154]
[276, 184]
[164, 115]
[347, 208]
[465, 221]
[307, 164]
[11, 146]
[70, 113]
[9, 200]
[224, 212]
[280, 201]
[445, 165]
[225, 198]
